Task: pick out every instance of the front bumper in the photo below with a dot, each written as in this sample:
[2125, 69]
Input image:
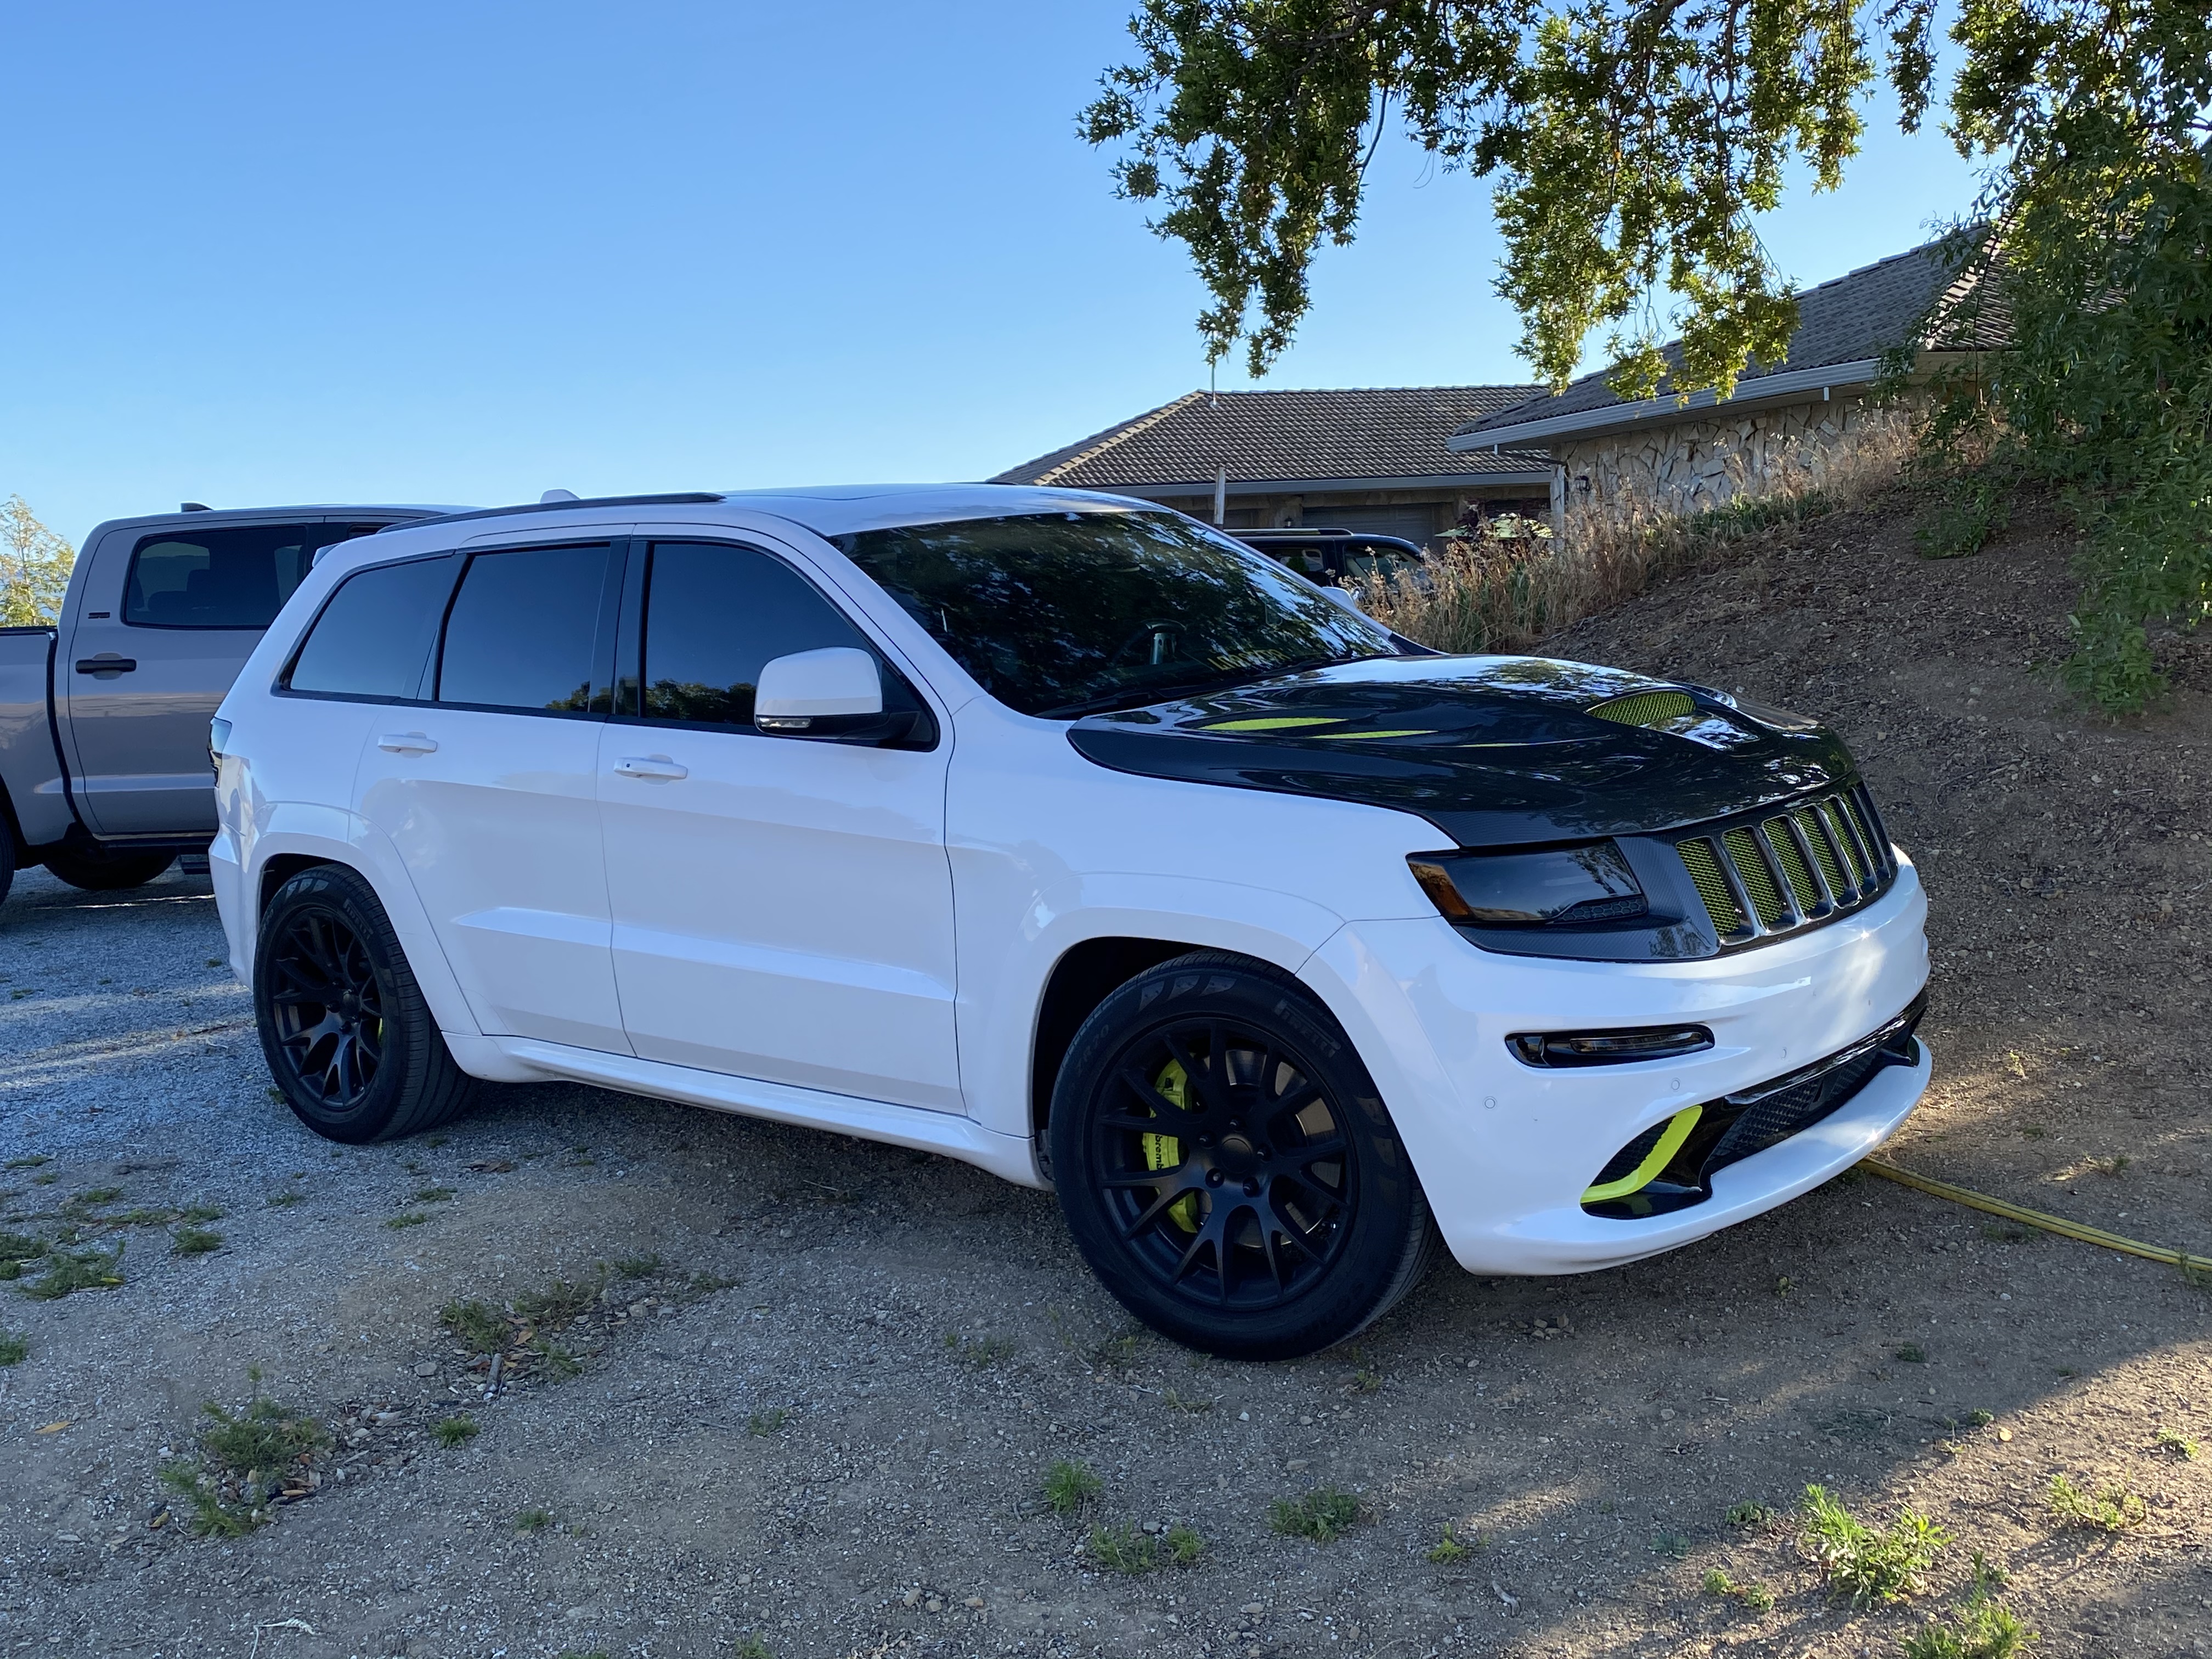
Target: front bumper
[1506, 1151]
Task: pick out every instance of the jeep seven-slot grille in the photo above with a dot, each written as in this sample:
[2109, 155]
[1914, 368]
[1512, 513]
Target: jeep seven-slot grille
[1792, 869]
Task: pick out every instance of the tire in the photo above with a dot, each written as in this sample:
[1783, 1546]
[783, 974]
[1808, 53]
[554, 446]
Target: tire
[1232, 1235]
[7, 859]
[347, 1036]
[108, 873]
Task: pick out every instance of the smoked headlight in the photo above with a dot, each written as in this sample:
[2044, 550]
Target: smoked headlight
[1561, 887]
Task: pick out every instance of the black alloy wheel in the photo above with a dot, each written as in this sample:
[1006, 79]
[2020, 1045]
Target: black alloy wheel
[327, 1009]
[353, 1047]
[1225, 1164]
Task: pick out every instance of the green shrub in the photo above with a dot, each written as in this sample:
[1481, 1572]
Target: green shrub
[1867, 1566]
[1321, 1515]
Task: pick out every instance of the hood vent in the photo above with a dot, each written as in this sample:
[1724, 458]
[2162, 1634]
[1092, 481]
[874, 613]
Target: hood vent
[1645, 707]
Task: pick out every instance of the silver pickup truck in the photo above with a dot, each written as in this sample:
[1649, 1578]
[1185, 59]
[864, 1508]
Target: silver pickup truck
[104, 773]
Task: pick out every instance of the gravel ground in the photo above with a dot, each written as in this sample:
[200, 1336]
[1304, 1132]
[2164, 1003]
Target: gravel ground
[800, 1390]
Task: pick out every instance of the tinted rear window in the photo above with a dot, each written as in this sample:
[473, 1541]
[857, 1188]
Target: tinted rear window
[521, 629]
[373, 637]
[237, 577]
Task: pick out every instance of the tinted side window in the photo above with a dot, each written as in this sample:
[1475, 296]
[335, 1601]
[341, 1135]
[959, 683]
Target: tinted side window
[520, 632]
[714, 615]
[374, 635]
[223, 578]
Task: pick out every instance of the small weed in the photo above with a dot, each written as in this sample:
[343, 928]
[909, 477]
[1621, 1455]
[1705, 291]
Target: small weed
[2179, 1445]
[1114, 1353]
[1867, 1566]
[1983, 1628]
[432, 1195]
[46, 1179]
[451, 1431]
[636, 1266]
[1449, 1547]
[981, 1352]
[529, 1523]
[2114, 1509]
[195, 1241]
[1670, 1543]
[2065, 1370]
[1365, 1380]
[406, 1218]
[766, 1423]
[21, 1247]
[244, 1462]
[14, 1349]
[1784, 1285]
[560, 1364]
[1749, 1515]
[1978, 1418]
[1175, 1402]
[476, 1326]
[1962, 520]
[29, 1161]
[559, 1303]
[92, 1197]
[435, 1141]
[69, 1271]
[1750, 1595]
[1129, 1550]
[199, 1213]
[749, 1646]
[1070, 1487]
[1321, 1515]
[283, 1200]
[1912, 1354]
[2115, 1165]
[278, 1095]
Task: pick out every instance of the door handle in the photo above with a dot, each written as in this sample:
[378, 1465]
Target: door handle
[407, 743]
[107, 665]
[651, 766]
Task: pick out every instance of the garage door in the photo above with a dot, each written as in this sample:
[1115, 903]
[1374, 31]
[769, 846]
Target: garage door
[1414, 523]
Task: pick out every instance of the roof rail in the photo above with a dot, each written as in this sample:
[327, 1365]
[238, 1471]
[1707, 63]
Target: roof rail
[681, 498]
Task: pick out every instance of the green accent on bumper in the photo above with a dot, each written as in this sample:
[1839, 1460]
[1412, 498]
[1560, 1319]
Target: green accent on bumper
[1678, 1130]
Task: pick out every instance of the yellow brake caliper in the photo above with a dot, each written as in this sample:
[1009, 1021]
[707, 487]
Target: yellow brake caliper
[1165, 1151]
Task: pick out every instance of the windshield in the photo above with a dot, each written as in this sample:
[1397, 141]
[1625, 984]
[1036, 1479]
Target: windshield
[1063, 613]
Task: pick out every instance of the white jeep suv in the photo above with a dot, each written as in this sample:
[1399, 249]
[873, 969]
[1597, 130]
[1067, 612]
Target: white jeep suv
[1062, 835]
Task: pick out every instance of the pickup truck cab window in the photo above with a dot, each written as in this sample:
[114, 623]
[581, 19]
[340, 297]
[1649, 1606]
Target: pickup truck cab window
[372, 638]
[520, 635]
[237, 577]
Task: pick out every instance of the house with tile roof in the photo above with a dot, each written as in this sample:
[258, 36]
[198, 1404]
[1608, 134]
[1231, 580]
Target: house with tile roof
[1696, 452]
[1364, 458]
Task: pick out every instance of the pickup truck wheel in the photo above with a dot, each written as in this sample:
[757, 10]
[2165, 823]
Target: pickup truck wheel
[108, 873]
[1227, 1167]
[347, 1035]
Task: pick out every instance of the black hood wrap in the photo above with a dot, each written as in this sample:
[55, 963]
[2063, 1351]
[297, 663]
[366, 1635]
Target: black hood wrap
[1495, 751]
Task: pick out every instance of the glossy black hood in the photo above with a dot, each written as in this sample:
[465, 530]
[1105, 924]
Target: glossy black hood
[1495, 751]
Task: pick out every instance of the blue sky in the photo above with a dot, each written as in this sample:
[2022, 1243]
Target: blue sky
[466, 253]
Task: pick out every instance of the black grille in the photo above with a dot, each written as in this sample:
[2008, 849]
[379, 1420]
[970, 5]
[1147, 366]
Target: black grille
[1775, 872]
[1772, 1119]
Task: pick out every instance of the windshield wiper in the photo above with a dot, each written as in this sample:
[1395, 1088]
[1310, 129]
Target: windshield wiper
[1140, 696]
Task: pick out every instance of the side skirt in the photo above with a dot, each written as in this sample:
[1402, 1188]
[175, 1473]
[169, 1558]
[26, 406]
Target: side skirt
[951, 1134]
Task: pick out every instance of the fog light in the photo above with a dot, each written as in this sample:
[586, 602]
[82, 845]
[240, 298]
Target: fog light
[1556, 1049]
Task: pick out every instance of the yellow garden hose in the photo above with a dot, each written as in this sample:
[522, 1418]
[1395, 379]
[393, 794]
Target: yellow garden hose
[2050, 1223]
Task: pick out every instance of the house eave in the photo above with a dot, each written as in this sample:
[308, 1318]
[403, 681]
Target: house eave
[1790, 385]
[1532, 478]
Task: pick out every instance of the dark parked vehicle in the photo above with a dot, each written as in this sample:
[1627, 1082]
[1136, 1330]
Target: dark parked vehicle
[1342, 557]
[104, 772]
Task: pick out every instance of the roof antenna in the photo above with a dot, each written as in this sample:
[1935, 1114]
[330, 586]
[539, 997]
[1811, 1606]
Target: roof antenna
[553, 495]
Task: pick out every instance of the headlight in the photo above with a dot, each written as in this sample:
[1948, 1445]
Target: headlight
[218, 736]
[1567, 886]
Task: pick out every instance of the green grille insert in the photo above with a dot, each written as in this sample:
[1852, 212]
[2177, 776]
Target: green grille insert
[1793, 865]
[1646, 708]
[1839, 820]
[1704, 868]
[1765, 896]
[1808, 819]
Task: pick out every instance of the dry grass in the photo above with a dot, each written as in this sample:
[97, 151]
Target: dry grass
[1503, 593]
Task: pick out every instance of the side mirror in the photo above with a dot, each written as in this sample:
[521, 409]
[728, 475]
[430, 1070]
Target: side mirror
[1344, 597]
[837, 692]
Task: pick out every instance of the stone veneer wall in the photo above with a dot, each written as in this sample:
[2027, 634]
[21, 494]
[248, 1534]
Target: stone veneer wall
[1698, 464]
